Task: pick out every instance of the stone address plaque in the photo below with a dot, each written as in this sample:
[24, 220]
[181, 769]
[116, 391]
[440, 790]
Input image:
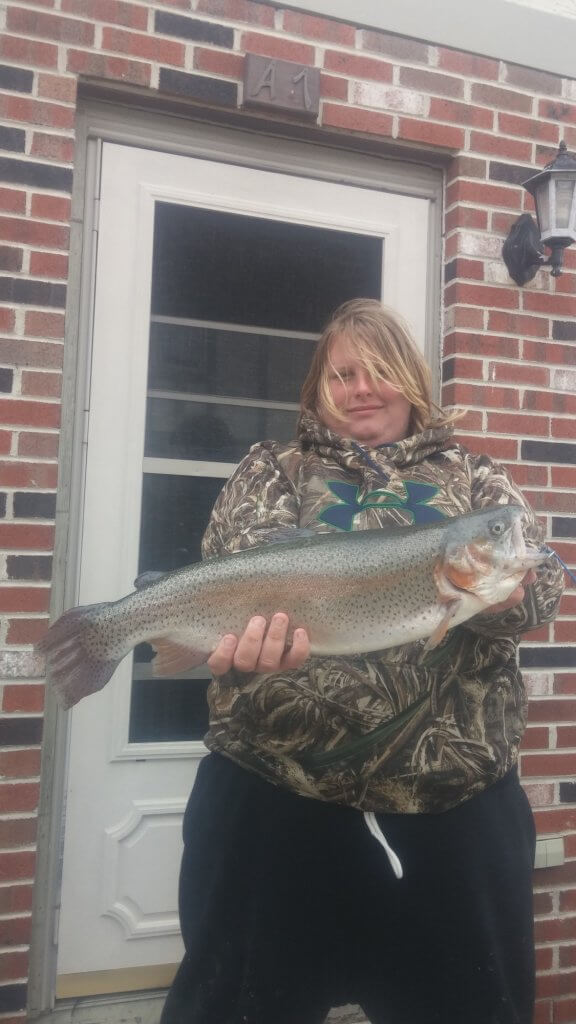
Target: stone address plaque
[281, 85]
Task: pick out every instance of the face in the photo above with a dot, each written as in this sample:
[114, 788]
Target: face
[372, 413]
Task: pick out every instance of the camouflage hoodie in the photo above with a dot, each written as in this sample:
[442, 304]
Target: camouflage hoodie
[385, 731]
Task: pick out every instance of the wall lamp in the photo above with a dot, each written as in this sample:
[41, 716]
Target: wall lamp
[554, 192]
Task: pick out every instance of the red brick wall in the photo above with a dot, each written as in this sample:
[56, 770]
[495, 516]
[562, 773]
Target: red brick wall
[509, 354]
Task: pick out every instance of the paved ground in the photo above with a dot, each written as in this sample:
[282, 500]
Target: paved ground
[346, 1015]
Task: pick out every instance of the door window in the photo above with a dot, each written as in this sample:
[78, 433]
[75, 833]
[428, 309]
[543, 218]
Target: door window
[237, 304]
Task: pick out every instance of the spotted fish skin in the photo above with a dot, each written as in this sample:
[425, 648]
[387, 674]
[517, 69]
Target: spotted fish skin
[354, 593]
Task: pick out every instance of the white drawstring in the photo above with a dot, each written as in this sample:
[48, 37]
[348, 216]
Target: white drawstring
[376, 831]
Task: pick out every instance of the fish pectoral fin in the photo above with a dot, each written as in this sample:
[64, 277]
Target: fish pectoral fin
[172, 655]
[443, 626]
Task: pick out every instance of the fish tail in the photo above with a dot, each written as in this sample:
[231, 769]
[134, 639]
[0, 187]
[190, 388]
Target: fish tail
[76, 662]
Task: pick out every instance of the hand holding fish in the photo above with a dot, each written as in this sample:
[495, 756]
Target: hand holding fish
[517, 595]
[261, 648]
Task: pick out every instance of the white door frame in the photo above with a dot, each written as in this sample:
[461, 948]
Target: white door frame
[100, 122]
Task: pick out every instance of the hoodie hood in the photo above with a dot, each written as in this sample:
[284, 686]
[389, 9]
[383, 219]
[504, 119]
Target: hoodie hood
[312, 434]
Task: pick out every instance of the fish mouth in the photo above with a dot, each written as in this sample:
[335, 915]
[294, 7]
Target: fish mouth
[530, 559]
[525, 556]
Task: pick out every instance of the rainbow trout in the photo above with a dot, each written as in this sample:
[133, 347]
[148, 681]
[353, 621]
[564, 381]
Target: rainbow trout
[353, 592]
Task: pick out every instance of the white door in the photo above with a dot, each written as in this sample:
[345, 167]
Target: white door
[212, 282]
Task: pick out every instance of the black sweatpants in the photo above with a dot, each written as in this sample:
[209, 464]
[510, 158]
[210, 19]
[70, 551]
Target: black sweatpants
[290, 907]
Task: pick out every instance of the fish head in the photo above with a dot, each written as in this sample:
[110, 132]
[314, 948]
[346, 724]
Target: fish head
[486, 554]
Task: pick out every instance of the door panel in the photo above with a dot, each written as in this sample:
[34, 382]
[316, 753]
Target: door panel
[212, 282]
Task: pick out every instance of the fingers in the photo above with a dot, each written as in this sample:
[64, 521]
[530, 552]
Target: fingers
[274, 644]
[222, 658]
[261, 648]
[516, 597]
[299, 652]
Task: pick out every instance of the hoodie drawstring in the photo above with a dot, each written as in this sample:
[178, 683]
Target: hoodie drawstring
[376, 831]
[385, 477]
[369, 816]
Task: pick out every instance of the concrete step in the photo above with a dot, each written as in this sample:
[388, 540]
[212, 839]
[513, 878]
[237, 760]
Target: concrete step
[346, 1015]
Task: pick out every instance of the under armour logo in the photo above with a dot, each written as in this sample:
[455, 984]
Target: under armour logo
[415, 501]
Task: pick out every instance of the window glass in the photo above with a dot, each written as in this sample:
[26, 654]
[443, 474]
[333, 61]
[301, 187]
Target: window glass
[175, 510]
[237, 303]
[226, 268]
[202, 359]
[213, 433]
[168, 709]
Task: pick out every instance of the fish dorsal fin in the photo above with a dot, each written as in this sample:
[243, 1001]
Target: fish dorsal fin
[173, 655]
[146, 579]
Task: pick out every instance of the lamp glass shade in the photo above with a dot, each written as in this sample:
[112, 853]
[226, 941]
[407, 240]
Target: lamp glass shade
[564, 202]
[542, 203]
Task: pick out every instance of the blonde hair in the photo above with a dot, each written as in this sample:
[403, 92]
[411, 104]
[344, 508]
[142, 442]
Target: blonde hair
[383, 345]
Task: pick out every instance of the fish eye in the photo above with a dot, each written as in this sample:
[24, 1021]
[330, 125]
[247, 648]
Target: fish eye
[498, 528]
